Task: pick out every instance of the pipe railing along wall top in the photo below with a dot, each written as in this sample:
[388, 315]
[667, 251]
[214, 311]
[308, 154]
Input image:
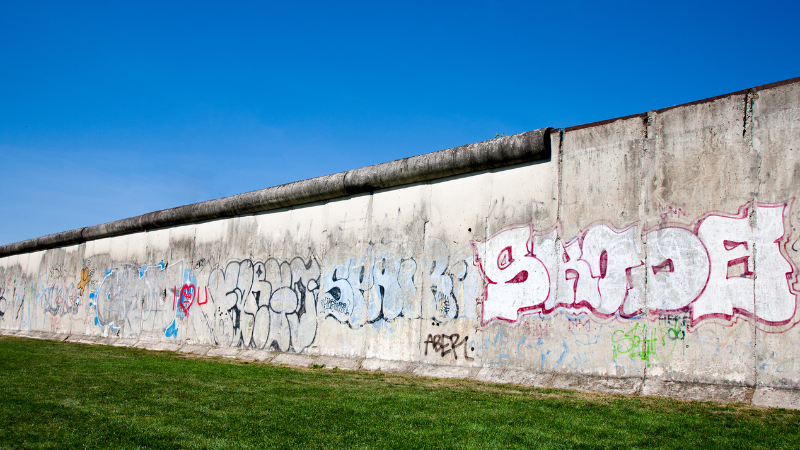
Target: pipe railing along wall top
[500, 152]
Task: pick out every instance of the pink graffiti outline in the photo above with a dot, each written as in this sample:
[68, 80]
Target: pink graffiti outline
[583, 306]
[530, 254]
[782, 241]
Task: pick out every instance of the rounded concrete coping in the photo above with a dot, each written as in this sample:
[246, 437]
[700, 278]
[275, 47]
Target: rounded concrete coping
[500, 152]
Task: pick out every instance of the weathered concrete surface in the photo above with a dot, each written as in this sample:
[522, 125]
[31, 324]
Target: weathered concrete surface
[383, 365]
[775, 131]
[256, 355]
[291, 359]
[76, 339]
[514, 376]
[163, 346]
[59, 337]
[777, 398]
[698, 161]
[225, 352]
[195, 349]
[428, 370]
[594, 383]
[654, 254]
[122, 342]
[698, 391]
[332, 362]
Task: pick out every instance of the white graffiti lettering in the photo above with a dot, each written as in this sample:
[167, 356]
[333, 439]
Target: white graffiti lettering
[727, 266]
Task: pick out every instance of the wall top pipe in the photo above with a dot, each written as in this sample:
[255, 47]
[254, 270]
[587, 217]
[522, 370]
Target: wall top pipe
[500, 152]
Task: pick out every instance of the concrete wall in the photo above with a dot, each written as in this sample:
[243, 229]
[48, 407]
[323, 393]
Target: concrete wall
[652, 254]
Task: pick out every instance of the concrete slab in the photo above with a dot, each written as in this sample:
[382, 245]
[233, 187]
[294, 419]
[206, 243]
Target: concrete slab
[142, 344]
[194, 349]
[698, 391]
[83, 339]
[46, 335]
[294, 359]
[105, 340]
[385, 365]
[225, 352]
[513, 376]
[163, 346]
[124, 342]
[256, 355]
[429, 370]
[777, 398]
[59, 337]
[599, 384]
[342, 363]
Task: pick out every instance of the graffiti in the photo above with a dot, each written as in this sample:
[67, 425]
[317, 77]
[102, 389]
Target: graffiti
[646, 343]
[183, 299]
[496, 350]
[188, 295]
[359, 292]
[265, 305]
[57, 294]
[128, 297]
[666, 280]
[533, 329]
[666, 211]
[344, 299]
[172, 330]
[777, 365]
[515, 277]
[578, 360]
[444, 344]
[713, 270]
[86, 277]
[18, 287]
[453, 283]
[680, 320]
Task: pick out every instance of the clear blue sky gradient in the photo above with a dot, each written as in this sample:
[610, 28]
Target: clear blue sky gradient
[114, 109]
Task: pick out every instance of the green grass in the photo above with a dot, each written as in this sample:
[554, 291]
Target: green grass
[61, 395]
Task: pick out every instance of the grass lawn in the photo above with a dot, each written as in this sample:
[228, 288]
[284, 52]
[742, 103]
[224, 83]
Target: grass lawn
[62, 395]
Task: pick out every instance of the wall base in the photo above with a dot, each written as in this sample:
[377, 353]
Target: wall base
[762, 396]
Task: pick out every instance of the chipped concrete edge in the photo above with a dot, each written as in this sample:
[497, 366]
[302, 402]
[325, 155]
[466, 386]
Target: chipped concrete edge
[500, 152]
[761, 396]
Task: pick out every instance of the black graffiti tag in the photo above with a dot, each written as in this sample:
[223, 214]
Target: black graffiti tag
[447, 343]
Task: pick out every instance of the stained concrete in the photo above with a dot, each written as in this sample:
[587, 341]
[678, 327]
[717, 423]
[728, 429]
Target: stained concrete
[383, 365]
[514, 376]
[291, 359]
[256, 355]
[698, 391]
[194, 349]
[224, 352]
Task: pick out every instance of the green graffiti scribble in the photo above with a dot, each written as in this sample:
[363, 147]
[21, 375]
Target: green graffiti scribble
[646, 343]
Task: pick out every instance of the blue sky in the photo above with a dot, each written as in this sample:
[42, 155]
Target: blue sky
[114, 109]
